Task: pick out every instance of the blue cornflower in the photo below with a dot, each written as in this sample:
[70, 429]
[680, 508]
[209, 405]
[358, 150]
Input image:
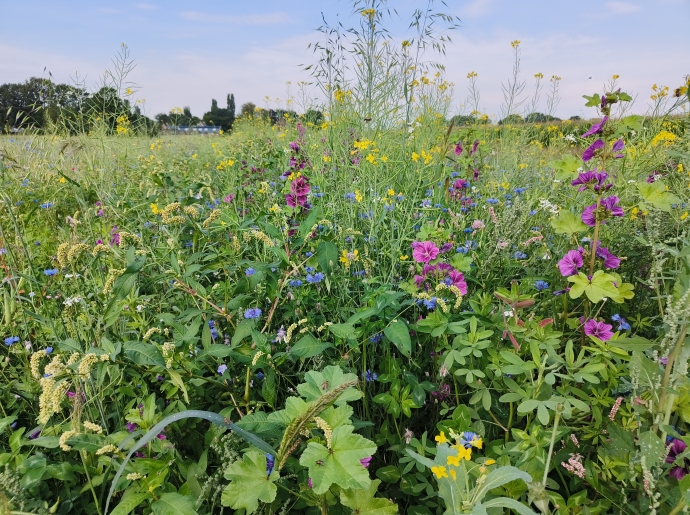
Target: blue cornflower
[51, 271]
[462, 250]
[541, 285]
[259, 375]
[359, 273]
[249, 271]
[221, 369]
[11, 339]
[296, 283]
[46, 205]
[430, 303]
[49, 350]
[519, 255]
[426, 203]
[252, 313]
[370, 376]
[623, 324]
[316, 278]
[309, 254]
[376, 338]
[3, 251]
[310, 269]
[508, 196]
[467, 437]
[467, 230]
[520, 190]
[270, 463]
[350, 196]
[454, 174]
[388, 208]
[533, 212]
[492, 201]
[429, 193]
[212, 327]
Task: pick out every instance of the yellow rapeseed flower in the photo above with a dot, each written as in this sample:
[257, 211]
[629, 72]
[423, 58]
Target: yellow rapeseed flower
[415, 157]
[154, 209]
[684, 216]
[489, 462]
[358, 196]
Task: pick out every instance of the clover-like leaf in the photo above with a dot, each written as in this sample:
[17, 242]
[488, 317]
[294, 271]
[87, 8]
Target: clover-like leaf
[249, 483]
[364, 502]
[601, 285]
[331, 378]
[340, 464]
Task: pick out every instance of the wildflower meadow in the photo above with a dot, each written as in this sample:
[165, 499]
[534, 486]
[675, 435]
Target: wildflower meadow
[372, 307]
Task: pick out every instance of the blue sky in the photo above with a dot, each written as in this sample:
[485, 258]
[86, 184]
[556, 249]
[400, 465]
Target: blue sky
[190, 52]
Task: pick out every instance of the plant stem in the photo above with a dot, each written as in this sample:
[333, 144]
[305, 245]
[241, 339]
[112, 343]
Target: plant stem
[667, 403]
[553, 440]
[88, 476]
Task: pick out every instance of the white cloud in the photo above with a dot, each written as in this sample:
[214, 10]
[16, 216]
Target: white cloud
[622, 7]
[476, 9]
[246, 19]
[146, 7]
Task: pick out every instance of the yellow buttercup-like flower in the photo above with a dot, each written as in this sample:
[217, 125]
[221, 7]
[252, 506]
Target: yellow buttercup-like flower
[439, 472]
[453, 460]
[441, 438]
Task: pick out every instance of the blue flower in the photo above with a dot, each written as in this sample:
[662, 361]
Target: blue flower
[350, 196]
[249, 271]
[541, 285]
[519, 255]
[467, 230]
[212, 327]
[309, 254]
[221, 369]
[49, 350]
[310, 269]
[252, 313]
[533, 212]
[370, 376]
[11, 339]
[430, 303]
[3, 251]
[376, 338]
[429, 193]
[462, 250]
[492, 201]
[46, 205]
[316, 278]
[623, 324]
[520, 190]
[51, 271]
[270, 463]
[467, 438]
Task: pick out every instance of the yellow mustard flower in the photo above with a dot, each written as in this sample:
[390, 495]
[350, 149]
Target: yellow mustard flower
[489, 462]
[415, 157]
[439, 472]
[154, 209]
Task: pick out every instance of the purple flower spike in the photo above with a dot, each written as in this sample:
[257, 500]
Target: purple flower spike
[570, 263]
[597, 128]
[591, 150]
[598, 329]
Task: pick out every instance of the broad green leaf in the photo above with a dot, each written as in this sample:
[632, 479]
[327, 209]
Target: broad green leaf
[656, 194]
[86, 442]
[329, 379]
[498, 477]
[389, 474]
[294, 407]
[566, 167]
[144, 354]
[364, 502]
[511, 504]
[568, 223]
[336, 416]
[217, 350]
[345, 331]
[308, 347]
[244, 329]
[172, 503]
[633, 343]
[249, 483]
[327, 256]
[599, 287]
[340, 464]
[176, 379]
[651, 447]
[129, 502]
[259, 424]
[399, 334]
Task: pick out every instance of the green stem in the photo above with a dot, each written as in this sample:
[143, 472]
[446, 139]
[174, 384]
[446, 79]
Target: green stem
[553, 441]
[667, 403]
[510, 422]
[88, 476]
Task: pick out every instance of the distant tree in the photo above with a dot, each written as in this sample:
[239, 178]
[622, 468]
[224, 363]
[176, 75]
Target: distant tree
[511, 119]
[231, 107]
[575, 118]
[540, 118]
[314, 116]
[463, 119]
[21, 105]
[221, 117]
[248, 109]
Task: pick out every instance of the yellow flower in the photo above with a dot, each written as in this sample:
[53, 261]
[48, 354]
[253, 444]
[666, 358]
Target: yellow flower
[453, 460]
[154, 209]
[390, 192]
[476, 442]
[489, 462]
[515, 43]
[406, 43]
[684, 216]
[680, 167]
[439, 472]
[471, 75]
[62, 180]
[221, 131]
[539, 75]
[384, 159]
[441, 438]
[404, 257]
[128, 91]
[462, 452]
[616, 77]
[358, 196]
[349, 257]
[371, 158]
[523, 166]
[453, 474]
[415, 157]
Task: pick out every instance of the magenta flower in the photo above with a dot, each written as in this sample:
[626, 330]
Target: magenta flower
[677, 448]
[475, 145]
[606, 209]
[594, 180]
[478, 225]
[591, 150]
[617, 147]
[570, 263]
[294, 200]
[458, 281]
[365, 462]
[458, 148]
[599, 330]
[424, 251]
[229, 198]
[300, 187]
[597, 128]
[610, 261]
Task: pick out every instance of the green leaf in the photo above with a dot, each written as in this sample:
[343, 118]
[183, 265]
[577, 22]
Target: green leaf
[498, 477]
[217, 350]
[280, 253]
[327, 256]
[566, 167]
[568, 223]
[340, 464]
[599, 287]
[364, 502]
[308, 347]
[593, 101]
[651, 447]
[176, 379]
[655, 194]
[244, 329]
[86, 442]
[528, 406]
[332, 377]
[144, 354]
[399, 334]
[172, 503]
[632, 343]
[249, 483]
[70, 345]
[129, 502]
[345, 331]
[389, 474]
[512, 504]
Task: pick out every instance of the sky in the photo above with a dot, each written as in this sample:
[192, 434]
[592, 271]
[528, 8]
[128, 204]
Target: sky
[187, 53]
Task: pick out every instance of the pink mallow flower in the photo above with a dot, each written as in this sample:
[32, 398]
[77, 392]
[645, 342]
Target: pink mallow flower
[606, 209]
[424, 251]
[570, 263]
[599, 330]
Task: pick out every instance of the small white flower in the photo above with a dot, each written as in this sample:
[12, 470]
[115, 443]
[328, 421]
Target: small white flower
[508, 313]
[140, 307]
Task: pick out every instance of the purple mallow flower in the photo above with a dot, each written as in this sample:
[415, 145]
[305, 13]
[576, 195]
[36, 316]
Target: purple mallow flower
[598, 330]
[591, 150]
[617, 147]
[677, 448]
[597, 128]
[570, 263]
[607, 207]
[594, 180]
[610, 261]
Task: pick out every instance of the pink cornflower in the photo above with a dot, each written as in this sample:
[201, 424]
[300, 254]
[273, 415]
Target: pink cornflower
[424, 251]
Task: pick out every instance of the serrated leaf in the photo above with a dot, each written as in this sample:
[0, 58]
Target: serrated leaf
[340, 464]
[144, 354]
[566, 167]
[656, 194]
[249, 483]
[568, 223]
[364, 502]
[331, 378]
[599, 287]
[308, 347]
[172, 503]
[399, 334]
